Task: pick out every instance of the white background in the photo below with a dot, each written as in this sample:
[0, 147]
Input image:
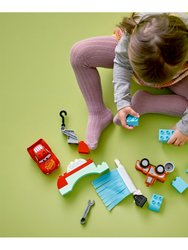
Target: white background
[93, 6]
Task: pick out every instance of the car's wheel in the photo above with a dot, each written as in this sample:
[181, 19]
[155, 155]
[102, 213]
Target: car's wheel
[160, 169]
[144, 163]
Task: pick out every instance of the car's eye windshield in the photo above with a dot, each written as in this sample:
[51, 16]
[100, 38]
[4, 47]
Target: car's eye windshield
[45, 158]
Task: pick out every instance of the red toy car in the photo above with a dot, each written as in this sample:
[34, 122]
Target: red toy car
[153, 173]
[42, 154]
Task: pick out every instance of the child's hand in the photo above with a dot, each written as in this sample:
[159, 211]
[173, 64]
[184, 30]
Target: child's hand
[178, 138]
[123, 113]
[118, 32]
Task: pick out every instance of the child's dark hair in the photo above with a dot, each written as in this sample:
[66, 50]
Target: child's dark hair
[158, 45]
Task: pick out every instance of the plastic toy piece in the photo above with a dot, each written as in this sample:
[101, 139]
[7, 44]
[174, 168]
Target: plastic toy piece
[77, 170]
[111, 188]
[114, 186]
[156, 202]
[83, 148]
[169, 167]
[153, 173]
[140, 199]
[42, 154]
[179, 184]
[63, 118]
[132, 120]
[71, 136]
[90, 204]
[165, 134]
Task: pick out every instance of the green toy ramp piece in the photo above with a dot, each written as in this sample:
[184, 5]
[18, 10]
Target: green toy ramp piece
[89, 169]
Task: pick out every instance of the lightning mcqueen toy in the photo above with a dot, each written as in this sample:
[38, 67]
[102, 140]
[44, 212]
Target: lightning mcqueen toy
[42, 154]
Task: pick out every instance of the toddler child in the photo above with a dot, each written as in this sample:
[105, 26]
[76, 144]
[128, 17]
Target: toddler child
[151, 48]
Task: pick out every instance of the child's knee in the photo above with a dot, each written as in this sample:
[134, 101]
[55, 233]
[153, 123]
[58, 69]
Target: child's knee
[77, 54]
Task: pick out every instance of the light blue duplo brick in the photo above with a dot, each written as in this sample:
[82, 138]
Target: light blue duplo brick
[179, 184]
[156, 202]
[132, 120]
[165, 134]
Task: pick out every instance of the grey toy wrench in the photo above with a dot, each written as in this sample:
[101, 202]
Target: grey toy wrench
[90, 204]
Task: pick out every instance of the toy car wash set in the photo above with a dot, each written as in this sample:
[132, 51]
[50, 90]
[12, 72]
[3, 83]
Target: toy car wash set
[113, 185]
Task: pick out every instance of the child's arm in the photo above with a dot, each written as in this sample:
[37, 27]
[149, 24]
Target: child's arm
[122, 73]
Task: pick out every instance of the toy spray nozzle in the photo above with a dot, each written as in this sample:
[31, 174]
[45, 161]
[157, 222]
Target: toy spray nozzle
[63, 118]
